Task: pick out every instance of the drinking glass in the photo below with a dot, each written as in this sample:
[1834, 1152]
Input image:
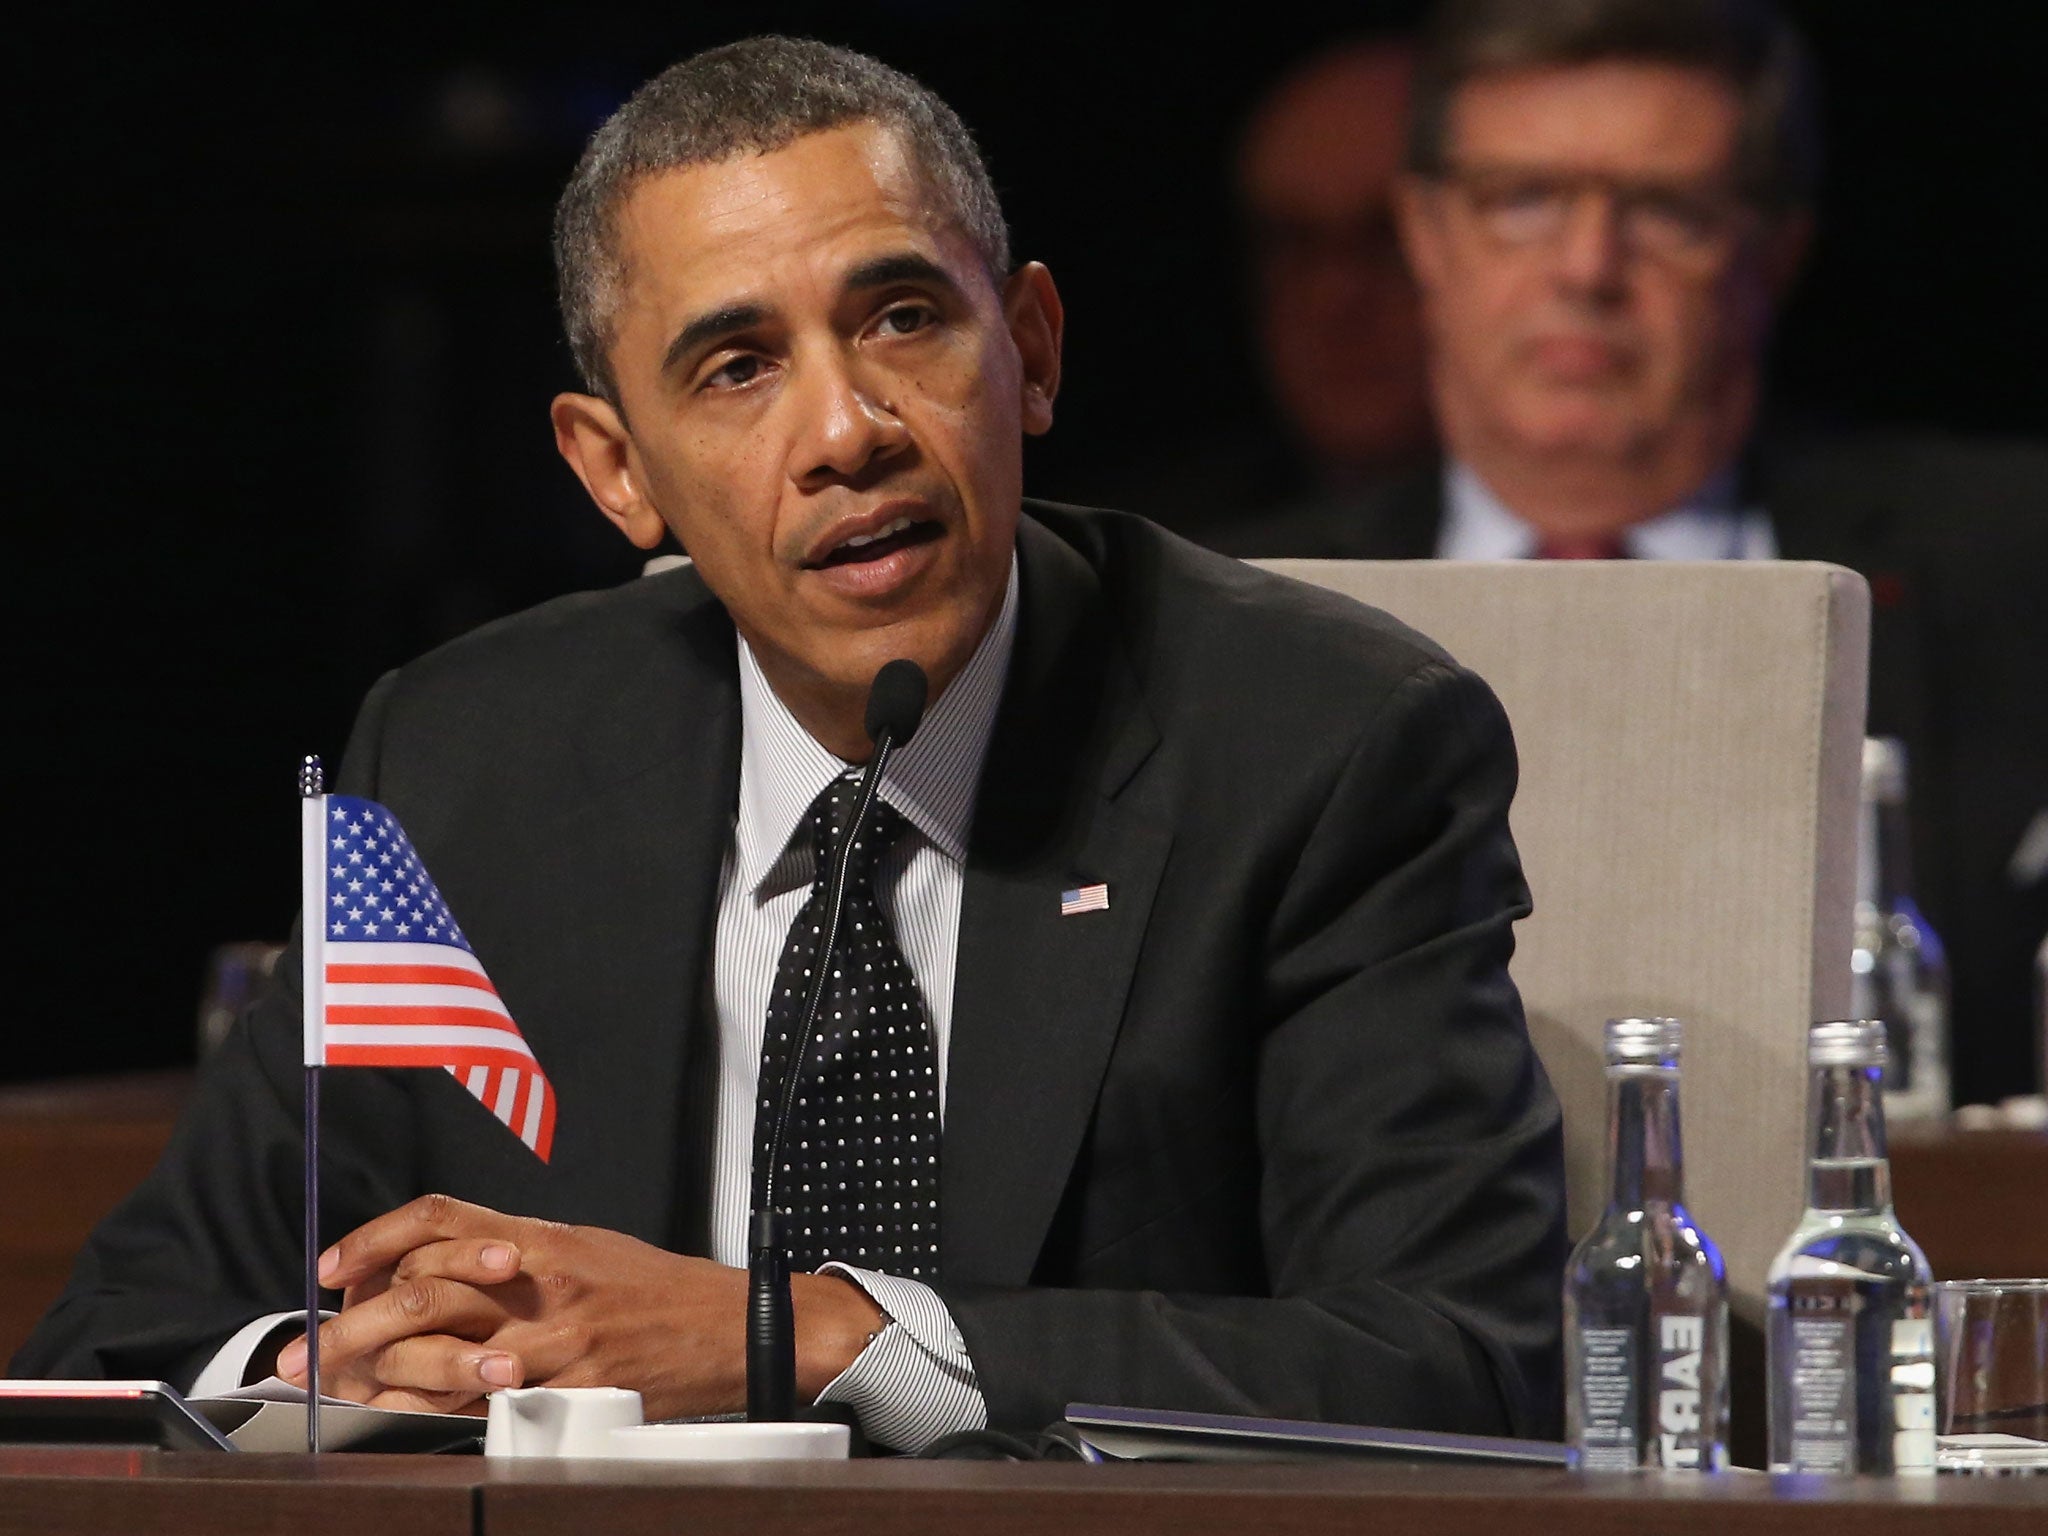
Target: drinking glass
[1991, 1341]
[236, 975]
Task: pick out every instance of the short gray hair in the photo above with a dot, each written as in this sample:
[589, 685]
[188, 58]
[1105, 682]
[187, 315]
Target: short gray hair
[1746, 42]
[754, 96]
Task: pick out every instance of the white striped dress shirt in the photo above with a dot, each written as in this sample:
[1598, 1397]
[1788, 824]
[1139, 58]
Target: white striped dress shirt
[914, 1382]
[1710, 525]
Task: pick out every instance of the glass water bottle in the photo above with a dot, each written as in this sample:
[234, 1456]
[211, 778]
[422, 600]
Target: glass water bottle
[2041, 1013]
[1851, 1340]
[1645, 1294]
[1898, 972]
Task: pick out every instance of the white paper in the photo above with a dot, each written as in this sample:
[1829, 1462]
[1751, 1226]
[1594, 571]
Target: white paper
[271, 1416]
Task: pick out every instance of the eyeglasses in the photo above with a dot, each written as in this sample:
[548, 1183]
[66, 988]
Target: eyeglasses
[1526, 206]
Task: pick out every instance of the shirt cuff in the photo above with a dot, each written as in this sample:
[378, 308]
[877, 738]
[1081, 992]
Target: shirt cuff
[224, 1372]
[914, 1382]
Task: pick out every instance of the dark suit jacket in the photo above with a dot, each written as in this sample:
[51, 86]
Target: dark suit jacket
[1267, 1135]
[1953, 537]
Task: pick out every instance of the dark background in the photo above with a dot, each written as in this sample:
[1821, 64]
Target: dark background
[284, 340]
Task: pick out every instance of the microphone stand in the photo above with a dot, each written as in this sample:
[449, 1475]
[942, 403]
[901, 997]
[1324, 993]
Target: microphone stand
[771, 1318]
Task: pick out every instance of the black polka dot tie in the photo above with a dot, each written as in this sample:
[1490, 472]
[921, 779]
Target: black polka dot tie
[860, 1162]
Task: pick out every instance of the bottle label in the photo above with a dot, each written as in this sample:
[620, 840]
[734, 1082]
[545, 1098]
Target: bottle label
[1913, 1395]
[1680, 1343]
[1607, 1400]
[1823, 1387]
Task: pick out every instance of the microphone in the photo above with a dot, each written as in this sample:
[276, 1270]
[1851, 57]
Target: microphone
[896, 701]
[895, 706]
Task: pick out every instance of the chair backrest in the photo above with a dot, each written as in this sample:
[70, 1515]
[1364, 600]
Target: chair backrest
[1691, 744]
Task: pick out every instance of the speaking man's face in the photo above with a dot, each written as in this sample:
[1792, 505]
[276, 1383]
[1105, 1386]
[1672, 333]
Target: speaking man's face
[823, 394]
[1594, 282]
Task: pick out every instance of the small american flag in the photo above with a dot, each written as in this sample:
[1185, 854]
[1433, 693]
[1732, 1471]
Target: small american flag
[1089, 898]
[400, 986]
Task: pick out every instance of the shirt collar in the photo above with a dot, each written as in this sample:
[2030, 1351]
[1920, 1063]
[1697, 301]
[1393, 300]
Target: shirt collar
[932, 781]
[1710, 525]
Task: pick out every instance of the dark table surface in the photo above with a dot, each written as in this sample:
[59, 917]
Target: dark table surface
[111, 1492]
[52, 1491]
[994, 1499]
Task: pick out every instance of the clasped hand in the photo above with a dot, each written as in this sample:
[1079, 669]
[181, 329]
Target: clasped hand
[443, 1301]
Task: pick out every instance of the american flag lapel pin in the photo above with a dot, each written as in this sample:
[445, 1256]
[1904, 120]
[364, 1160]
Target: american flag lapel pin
[1087, 898]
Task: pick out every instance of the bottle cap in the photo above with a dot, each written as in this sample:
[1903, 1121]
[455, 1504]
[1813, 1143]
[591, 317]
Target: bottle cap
[1643, 1042]
[1846, 1043]
[1884, 770]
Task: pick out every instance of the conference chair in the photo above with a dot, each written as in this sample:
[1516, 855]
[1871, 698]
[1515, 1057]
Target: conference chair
[1690, 739]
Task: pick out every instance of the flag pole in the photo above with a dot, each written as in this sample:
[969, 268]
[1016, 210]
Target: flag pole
[312, 979]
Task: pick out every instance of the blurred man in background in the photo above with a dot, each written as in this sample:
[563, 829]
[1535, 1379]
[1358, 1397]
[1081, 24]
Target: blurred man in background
[1334, 319]
[1607, 202]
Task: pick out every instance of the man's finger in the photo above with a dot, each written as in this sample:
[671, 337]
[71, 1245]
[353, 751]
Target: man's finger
[381, 1243]
[412, 1400]
[473, 1260]
[429, 1305]
[371, 1286]
[442, 1365]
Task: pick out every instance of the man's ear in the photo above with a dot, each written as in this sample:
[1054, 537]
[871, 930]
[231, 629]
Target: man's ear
[1037, 321]
[1786, 243]
[592, 436]
[1417, 218]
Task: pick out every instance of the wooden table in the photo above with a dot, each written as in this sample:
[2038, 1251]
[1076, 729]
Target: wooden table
[69, 1152]
[903, 1498]
[140, 1494]
[1975, 1201]
[100, 1491]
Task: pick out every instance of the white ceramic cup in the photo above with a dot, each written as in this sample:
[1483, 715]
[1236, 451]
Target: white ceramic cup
[558, 1421]
[731, 1442]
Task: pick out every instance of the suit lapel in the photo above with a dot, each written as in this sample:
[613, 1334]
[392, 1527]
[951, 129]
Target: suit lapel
[1814, 521]
[1406, 520]
[1038, 996]
[1811, 525]
[661, 762]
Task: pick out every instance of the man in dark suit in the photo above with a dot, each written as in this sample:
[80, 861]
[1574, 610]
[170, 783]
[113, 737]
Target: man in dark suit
[1257, 1128]
[1606, 203]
